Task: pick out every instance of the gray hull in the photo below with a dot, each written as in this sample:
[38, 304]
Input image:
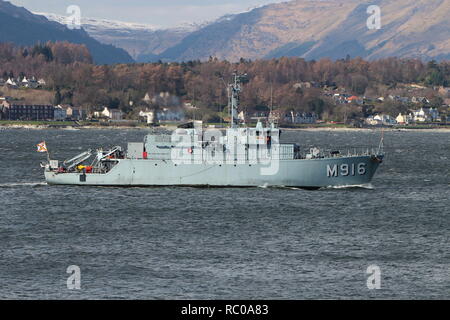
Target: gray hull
[306, 173]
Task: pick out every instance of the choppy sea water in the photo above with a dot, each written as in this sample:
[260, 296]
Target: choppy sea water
[257, 243]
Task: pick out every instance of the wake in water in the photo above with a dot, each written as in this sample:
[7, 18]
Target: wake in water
[22, 184]
[368, 186]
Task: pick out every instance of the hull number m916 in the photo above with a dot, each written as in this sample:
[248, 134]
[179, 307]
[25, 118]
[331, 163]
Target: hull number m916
[345, 170]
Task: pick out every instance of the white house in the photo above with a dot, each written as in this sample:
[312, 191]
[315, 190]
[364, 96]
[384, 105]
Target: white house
[381, 119]
[242, 116]
[385, 119]
[11, 82]
[420, 115]
[371, 121]
[113, 114]
[426, 114]
[404, 118]
[148, 115]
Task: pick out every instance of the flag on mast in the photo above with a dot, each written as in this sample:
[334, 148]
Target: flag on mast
[42, 147]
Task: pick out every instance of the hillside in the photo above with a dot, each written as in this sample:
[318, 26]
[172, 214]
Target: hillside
[143, 42]
[327, 28]
[312, 29]
[21, 27]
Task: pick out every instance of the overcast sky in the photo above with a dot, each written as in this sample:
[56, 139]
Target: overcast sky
[156, 12]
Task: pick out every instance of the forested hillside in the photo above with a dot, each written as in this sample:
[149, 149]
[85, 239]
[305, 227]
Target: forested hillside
[68, 69]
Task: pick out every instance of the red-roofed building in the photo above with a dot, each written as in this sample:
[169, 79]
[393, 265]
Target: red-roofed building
[355, 99]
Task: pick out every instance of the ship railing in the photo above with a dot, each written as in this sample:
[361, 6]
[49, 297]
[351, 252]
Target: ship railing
[197, 156]
[336, 152]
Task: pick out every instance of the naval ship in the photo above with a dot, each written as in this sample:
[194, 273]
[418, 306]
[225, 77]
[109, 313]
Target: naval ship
[237, 156]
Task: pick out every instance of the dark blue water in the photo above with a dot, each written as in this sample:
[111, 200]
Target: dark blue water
[183, 243]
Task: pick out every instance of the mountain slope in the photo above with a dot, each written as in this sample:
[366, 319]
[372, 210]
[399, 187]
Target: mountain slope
[142, 41]
[21, 27]
[323, 28]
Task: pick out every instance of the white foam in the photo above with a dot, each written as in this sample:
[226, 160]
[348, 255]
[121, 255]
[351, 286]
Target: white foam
[22, 184]
[368, 186]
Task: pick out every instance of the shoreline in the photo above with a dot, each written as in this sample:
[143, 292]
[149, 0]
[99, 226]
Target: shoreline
[172, 127]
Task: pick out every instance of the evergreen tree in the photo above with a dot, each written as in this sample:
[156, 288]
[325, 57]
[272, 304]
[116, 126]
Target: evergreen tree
[58, 97]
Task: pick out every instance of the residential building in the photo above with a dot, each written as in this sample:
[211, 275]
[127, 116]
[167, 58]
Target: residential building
[25, 82]
[426, 114]
[300, 118]
[422, 100]
[272, 116]
[112, 114]
[149, 116]
[404, 118]
[73, 113]
[434, 114]
[420, 115]
[381, 119]
[60, 113]
[28, 112]
[355, 99]
[78, 113]
[11, 83]
[32, 83]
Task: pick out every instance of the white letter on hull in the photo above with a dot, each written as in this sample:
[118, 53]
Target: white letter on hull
[332, 172]
[344, 169]
[362, 168]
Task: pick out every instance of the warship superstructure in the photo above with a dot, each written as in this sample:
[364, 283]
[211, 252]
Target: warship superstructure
[238, 156]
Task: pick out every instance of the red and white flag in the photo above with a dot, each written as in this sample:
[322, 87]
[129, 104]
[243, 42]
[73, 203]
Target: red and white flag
[42, 147]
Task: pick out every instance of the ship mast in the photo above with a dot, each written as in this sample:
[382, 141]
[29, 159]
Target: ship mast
[233, 97]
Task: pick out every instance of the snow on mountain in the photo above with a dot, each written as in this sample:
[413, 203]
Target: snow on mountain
[91, 23]
[144, 42]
